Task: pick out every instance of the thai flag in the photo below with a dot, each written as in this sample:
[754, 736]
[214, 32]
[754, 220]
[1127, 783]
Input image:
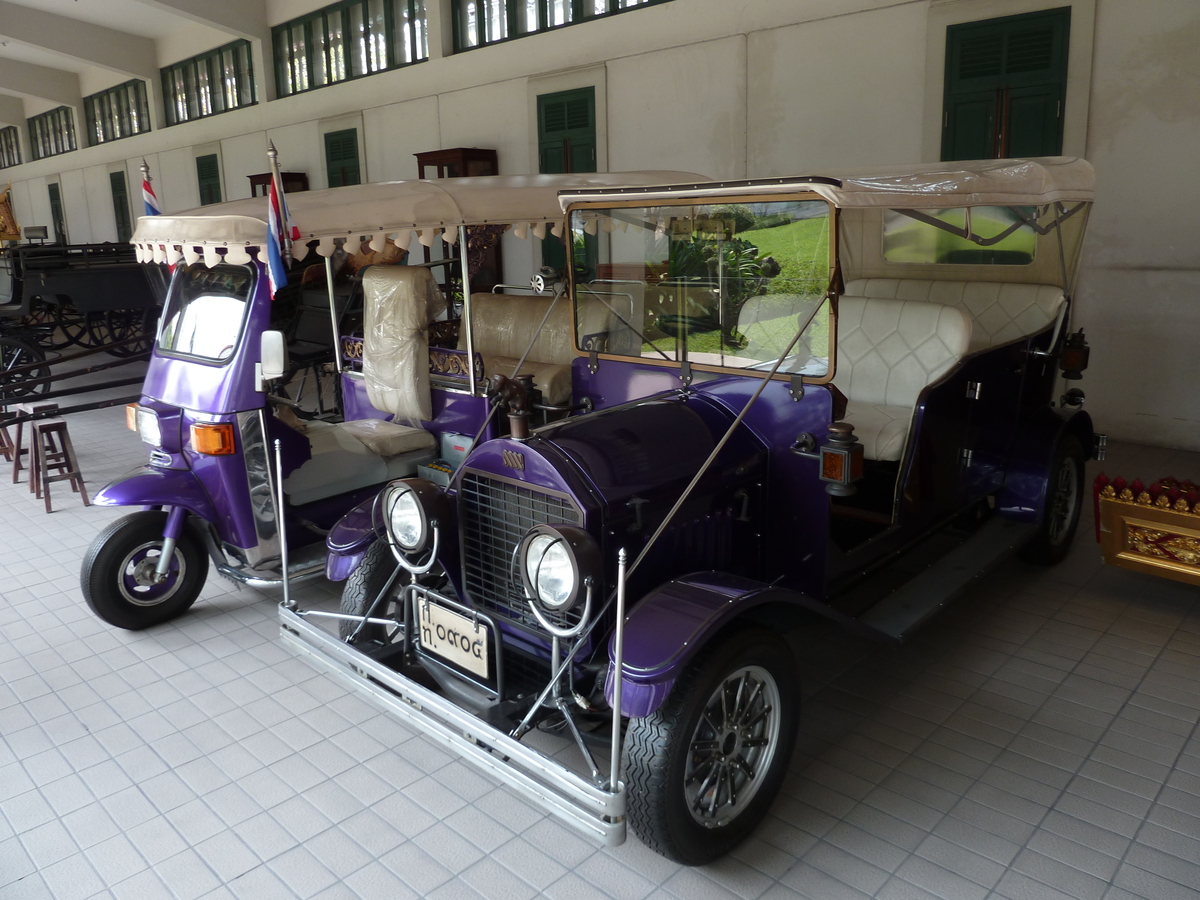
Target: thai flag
[152, 207]
[281, 231]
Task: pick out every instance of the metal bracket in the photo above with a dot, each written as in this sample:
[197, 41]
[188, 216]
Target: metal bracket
[796, 387]
[594, 362]
[973, 389]
[1100, 450]
[965, 456]
[685, 373]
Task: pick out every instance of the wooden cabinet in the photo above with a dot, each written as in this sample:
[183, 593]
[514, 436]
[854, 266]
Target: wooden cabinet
[456, 162]
[292, 182]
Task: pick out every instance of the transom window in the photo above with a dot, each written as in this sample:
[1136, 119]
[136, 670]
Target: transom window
[479, 22]
[348, 40]
[52, 133]
[116, 113]
[725, 285]
[209, 83]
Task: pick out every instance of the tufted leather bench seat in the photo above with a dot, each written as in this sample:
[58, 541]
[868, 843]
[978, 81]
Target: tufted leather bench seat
[502, 327]
[888, 351]
[999, 312]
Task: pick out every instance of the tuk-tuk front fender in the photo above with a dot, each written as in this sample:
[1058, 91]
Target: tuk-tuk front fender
[349, 540]
[1024, 492]
[668, 627]
[152, 486]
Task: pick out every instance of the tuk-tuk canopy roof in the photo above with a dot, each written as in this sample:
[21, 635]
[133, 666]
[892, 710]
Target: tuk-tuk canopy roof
[944, 185]
[377, 211]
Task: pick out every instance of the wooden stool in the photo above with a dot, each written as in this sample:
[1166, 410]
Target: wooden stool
[17, 449]
[6, 443]
[53, 452]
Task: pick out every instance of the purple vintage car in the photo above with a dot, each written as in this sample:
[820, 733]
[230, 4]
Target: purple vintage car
[846, 394]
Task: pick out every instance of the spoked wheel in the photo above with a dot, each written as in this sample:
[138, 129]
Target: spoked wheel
[39, 324]
[123, 324]
[363, 587]
[15, 354]
[70, 326]
[118, 574]
[703, 769]
[1064, 500]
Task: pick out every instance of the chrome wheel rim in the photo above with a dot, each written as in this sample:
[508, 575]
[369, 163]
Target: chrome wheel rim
[135, 577]
[1066, 496]
[733, 746]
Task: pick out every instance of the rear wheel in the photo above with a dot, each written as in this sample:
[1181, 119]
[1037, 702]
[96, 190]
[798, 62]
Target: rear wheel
[118, 573]
[363, 588]
[1064, 500]
[703, 769]
[15, 355]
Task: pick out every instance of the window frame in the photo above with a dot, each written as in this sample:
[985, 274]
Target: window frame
[575, 13]
[58, 127]
[188, 70]
[10, 147]
[291, 67]
[110, 115]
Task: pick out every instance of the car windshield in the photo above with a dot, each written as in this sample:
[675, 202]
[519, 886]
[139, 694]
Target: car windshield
[205, 309]
[719, 284]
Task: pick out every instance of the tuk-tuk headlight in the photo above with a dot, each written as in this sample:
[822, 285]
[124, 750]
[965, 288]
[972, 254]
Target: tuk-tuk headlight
[148, 428]
[556, 562]
[412, 510]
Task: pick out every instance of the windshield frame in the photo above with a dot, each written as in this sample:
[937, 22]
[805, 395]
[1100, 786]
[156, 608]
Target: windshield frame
[692, 200]
[172, 294]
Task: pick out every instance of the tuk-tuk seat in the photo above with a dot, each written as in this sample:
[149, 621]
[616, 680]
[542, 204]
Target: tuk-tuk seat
[1000, 311]
[342, 462]
[888, 351]
[502, 326]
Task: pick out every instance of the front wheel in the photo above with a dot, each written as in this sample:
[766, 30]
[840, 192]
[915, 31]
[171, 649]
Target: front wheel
[363, 588]
[118, 574]
[1064, 500]
[703, 769]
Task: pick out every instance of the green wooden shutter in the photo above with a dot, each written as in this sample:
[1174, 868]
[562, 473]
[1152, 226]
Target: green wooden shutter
[120, 197]
[56, 213]
[208, 176]
[1006, 82]
[341, 157]
[566, 143]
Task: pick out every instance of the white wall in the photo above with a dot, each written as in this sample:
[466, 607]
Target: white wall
[759, 88]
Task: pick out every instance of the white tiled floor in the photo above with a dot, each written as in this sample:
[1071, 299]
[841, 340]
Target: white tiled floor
[1037, 741]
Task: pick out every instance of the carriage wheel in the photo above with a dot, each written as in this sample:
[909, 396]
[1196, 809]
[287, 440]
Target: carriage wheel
[70, 326]
[38, 326]
[13, 355]
[122, 324]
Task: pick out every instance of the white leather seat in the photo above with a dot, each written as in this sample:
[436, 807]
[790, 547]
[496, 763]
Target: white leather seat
[888, 351]
[502, 325]
[1000, 312]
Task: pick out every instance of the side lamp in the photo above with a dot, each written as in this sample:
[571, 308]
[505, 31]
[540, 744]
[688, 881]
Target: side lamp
[840, 458]
[1074, 357]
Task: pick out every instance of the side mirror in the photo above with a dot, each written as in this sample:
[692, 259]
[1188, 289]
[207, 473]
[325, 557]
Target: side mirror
[273, 351]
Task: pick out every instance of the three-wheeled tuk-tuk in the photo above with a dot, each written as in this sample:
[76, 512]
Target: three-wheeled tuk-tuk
[213, 489]
[832, 394]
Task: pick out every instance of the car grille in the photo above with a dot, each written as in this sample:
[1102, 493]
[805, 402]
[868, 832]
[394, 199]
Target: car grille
[495, 516]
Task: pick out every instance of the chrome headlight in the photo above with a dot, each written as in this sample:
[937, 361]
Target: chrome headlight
[555, 563]
[412, 510]
[148, 428]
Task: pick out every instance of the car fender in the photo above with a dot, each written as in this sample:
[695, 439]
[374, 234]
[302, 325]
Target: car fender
[350, 538]
[1024, 492]
[670, 625]
[152, 486]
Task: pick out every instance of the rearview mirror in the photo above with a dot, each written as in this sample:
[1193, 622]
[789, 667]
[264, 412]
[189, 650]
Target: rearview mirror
[273, 349]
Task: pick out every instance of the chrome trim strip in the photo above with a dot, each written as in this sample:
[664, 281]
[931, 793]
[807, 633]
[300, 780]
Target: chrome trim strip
[260, 487]
[257, 580]
[592, 810]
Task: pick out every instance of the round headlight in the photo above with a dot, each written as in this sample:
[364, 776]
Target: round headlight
[550, 570]
[405, 518]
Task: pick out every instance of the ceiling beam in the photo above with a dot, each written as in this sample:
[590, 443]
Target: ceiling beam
[105, 48]
[55, 85]
[246, 19]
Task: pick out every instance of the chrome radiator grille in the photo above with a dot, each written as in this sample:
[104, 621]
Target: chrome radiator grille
[495, 515]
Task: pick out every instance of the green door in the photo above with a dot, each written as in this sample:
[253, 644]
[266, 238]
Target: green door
[1006, 82]
[566, 143]
[120, 195]
[341, 157]
[208, 176]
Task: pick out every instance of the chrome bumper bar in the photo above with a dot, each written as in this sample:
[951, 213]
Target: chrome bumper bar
[593, 810]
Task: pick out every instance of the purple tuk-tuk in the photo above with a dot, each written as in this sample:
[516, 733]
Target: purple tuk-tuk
[837, 394]
[229, 461]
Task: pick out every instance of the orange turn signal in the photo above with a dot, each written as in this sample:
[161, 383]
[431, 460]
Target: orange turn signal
[131, 416]
[213, 440]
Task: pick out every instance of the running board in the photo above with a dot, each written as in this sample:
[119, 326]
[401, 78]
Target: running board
[901, 611]
[307, 567]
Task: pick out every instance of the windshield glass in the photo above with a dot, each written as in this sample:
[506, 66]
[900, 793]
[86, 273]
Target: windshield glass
[205, 310]
[715, 284]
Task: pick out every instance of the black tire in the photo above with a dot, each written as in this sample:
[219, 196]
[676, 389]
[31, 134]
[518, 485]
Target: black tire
[1064, 501]
[660, 749]
[363, 587]
[114, 570]
[15, 354]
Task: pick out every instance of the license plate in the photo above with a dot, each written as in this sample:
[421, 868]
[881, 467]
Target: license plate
[457, 639]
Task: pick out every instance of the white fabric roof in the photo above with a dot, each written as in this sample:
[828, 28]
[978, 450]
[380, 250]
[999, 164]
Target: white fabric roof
[379, 210]
[988, 182]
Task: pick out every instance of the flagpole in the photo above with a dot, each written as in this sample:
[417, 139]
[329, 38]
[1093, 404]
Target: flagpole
[273, 156]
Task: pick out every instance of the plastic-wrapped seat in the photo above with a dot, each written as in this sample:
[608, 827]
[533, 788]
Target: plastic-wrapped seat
[502, 326]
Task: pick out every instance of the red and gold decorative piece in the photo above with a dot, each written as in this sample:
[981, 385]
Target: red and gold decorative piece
[1153, 529]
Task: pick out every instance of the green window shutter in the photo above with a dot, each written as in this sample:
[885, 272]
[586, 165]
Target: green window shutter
[56, 213]
[341, 157]
[567, 131]
[120, 196]
[1006, 81]
[208, 175]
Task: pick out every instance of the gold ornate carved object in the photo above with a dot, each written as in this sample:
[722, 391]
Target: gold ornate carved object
[1153, 529]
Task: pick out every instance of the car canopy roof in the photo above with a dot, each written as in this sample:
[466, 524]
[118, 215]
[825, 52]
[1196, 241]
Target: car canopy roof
[989, 182]
[376, 210]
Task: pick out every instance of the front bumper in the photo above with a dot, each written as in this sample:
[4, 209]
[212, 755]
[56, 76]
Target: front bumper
[593, 810]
